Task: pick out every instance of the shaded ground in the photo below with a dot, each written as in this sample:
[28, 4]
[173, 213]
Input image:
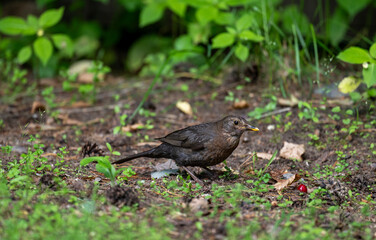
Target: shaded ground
[233, 204]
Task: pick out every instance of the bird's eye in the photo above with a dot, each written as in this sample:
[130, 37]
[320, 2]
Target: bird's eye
[236, 122]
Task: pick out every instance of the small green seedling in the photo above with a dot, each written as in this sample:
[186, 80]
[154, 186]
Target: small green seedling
[103, 166]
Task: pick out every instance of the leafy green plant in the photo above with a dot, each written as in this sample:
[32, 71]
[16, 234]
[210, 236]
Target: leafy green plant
[103, 166]
[42, 43]
[367, 58]
[309, 112]
[123, 123]
[259, 111]
[115, 153]
[238, 36]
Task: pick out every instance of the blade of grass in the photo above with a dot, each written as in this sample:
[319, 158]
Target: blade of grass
[224, 61]
[147, 93]
[297, 55]
[317, 65]
[303, 43]
[267, 165]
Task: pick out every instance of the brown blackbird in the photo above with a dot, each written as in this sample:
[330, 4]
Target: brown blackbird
[202, 145]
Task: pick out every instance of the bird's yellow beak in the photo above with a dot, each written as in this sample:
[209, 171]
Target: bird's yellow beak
[251, 128]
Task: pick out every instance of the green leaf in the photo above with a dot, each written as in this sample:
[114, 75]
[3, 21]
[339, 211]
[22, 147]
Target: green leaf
[242, 52]
[116, 153]
[336, 109]
[353, 7]
[349, 84]
[250, 36]
[24, 54]
[177, 7]
[199, 33]
[371, 92]
[225, 18]
[109, 147]
[231, 30]
[33, 25]
[117, 130]
[63, 43]
[12, 25]
[51, 17]
[223, 40]
[369, 75]
[206, 13]
[43, 49]
[337, 26]
[292, 15]
[355, 96]
[372, 50]
[244, 22]
[88, 160]
[103, 169]
[355, 55]
[151, 14]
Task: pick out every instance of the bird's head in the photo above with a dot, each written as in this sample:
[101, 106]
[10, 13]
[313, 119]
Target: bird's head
[236, 126]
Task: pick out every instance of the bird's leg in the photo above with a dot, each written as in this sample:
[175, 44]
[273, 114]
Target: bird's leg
[193, 176]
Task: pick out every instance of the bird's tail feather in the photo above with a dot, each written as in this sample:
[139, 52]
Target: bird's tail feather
[129, 158]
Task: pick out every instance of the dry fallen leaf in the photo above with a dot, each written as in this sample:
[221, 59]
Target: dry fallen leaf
[199, 204]
[132, 128]
[81, 69]
[277, 174]
[240, 104]
[283, 183]
[264, 155]
[68, 121]
[292, 151]
[292, 102]
[185, 107]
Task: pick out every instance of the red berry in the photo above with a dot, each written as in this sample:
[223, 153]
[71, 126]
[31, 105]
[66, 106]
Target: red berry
[302, 188]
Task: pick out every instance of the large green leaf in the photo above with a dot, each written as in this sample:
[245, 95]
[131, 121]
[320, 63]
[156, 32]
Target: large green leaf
[292, 15]
[206, 14]
[151, 13]
[63, 43]
[24, 54]
[369, 75]
[225, 18]
[353, 7]
[88, 160]
[51, 17]
[355, 55]
[103, 169]
[372, 50]
[199, 33]
[43, 49]
[33, 25]
[241, 2]
[241, 52]
[223, 40]
[177, 7]
[13, 25]
[250, 36]
[337, 26]
[244, 22]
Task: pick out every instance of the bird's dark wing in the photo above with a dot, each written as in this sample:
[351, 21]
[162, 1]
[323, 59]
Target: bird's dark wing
[193, 137]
